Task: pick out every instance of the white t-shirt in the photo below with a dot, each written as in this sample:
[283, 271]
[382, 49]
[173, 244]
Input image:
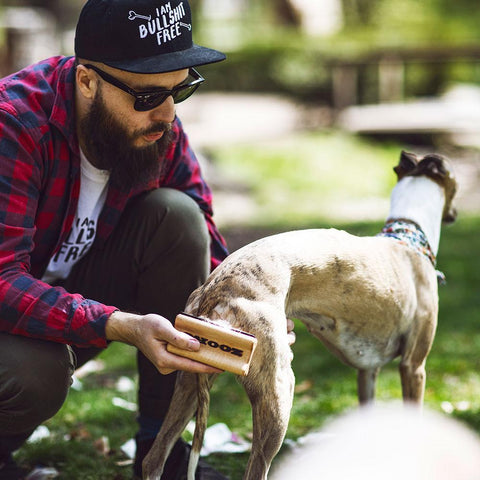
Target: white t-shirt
[93, 191]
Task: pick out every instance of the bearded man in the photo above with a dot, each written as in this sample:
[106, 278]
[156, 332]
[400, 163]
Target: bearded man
[105, 220]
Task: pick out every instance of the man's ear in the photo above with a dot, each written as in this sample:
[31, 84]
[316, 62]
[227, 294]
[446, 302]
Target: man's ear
[86, 81]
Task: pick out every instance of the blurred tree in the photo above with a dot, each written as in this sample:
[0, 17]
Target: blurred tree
[286, 13]
[196, 6]
[467, 10]
[65, 12]
[358, 12]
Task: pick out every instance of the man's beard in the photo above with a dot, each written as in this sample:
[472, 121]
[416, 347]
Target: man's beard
[109, 146]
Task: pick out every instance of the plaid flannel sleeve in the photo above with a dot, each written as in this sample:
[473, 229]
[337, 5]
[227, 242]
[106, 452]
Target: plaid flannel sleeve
[183, 173]
[28, 306]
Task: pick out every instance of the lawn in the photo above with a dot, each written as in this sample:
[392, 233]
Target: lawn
[309, 176]
[89, 421]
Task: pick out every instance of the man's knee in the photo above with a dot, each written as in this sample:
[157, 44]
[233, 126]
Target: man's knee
[181, 215]
[34, 381]
[181, 231]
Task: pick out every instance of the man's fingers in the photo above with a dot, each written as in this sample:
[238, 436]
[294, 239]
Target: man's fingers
[166, 371]
[180, 339]
[176, 362]
[168, 362]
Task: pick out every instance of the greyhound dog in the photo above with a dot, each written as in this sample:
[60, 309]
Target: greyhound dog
[367, 299]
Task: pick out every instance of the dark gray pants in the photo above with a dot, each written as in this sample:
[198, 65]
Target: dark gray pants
[157, 255]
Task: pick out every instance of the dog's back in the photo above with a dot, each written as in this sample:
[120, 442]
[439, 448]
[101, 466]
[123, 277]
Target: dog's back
[338, 284]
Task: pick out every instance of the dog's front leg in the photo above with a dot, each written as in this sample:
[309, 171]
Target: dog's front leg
[182, 409]
[412, 364]
[366, 380]
[413, 382]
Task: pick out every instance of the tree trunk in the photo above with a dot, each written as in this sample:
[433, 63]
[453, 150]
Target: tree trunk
[286, 13]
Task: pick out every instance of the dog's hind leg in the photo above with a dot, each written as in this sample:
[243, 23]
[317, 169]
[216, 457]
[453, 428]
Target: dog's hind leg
[366, 380]
[271, 397]
[182, 409]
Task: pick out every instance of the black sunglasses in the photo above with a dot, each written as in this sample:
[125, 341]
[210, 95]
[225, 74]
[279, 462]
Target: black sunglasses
[149, 100]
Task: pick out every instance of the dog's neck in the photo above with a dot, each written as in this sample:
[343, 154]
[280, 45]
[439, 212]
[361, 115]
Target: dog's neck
[420, 200]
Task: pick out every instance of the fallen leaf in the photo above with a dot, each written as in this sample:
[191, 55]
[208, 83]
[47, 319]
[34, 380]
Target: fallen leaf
[102, 445]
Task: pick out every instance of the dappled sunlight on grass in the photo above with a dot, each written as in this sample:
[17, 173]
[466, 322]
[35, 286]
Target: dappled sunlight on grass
[313, 176]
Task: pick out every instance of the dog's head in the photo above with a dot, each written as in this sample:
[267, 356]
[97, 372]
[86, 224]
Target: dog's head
[438, 169]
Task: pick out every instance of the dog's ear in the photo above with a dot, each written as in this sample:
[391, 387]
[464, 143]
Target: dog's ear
[433, 166]
[438, 169]
[408, 162]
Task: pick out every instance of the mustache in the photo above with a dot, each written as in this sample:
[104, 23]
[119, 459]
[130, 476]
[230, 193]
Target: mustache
[156, 128]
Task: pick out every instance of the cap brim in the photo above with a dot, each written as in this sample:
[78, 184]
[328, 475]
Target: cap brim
[169, 62]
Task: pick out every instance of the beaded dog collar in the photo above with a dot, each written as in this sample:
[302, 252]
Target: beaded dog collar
[411, 235]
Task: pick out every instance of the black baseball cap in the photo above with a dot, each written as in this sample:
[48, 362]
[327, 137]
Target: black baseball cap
[140, 36]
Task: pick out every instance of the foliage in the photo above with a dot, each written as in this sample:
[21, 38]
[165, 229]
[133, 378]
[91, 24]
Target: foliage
[304, 72]
[267, 57]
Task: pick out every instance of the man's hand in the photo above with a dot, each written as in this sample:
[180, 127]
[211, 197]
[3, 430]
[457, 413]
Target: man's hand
[150, 334]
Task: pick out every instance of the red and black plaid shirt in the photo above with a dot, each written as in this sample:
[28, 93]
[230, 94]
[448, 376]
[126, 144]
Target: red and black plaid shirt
[39, 188]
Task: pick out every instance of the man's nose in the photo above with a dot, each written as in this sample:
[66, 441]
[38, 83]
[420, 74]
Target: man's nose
[165, 112]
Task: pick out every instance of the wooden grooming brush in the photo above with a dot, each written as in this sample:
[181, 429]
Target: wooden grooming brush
[221, 347]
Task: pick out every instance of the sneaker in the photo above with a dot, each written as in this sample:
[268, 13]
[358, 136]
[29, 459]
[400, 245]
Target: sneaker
[9, 470]
[177, 463]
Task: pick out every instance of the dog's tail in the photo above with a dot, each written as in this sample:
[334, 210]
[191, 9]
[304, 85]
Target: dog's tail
[203, 393]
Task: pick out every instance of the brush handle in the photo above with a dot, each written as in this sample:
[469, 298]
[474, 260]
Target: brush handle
[221, 347]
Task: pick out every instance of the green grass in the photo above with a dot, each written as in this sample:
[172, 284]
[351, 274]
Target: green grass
[297, 179]
[294, 182]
